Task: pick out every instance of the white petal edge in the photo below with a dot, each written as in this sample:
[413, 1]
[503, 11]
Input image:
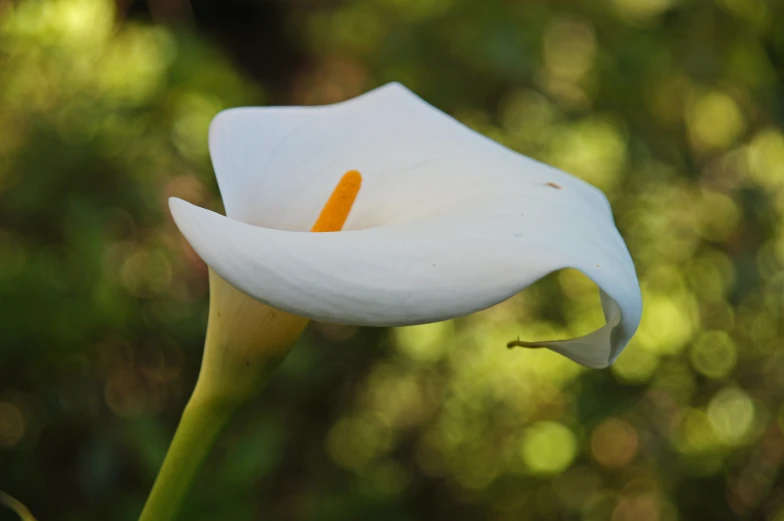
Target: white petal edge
[276, 166]
[435, 268]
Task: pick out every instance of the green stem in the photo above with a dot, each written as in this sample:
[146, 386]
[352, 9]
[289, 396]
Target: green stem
[200, 426]
[245, 341]
[17, 506]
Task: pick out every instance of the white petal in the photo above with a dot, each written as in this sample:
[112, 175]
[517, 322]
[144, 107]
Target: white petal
[458, 261]
[276, 166]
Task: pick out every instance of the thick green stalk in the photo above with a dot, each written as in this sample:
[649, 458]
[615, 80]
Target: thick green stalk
[245, 341]
[202, 423]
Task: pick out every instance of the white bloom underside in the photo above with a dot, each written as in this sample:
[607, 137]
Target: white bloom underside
[447, 222]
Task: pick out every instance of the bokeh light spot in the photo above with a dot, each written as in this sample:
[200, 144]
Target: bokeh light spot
[593, 149]
[569, 48]
[715, 120]
[731, 414]
[667, 324]
[642, 507]
[548, 448]
[614, 443]
[694, 433]
[427, 342]
[719, 215]
[12, 424]
[766, 158]
[635, 365]
[714, 354]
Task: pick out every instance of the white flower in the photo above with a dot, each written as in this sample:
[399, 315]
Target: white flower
[447, 222]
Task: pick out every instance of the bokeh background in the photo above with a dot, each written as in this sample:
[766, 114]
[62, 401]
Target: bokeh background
[675, 108]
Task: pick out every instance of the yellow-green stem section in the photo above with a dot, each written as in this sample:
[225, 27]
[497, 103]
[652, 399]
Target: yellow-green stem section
[202, 423]
[245, 341]
[17, 506]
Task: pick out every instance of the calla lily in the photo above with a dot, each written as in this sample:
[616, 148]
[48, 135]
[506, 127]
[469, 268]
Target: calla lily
[435, 221]
[448, 222]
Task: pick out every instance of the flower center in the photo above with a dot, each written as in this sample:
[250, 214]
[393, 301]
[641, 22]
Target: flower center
[335, 212]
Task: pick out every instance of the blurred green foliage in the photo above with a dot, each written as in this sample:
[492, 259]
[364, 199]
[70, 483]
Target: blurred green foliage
[674, 108]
